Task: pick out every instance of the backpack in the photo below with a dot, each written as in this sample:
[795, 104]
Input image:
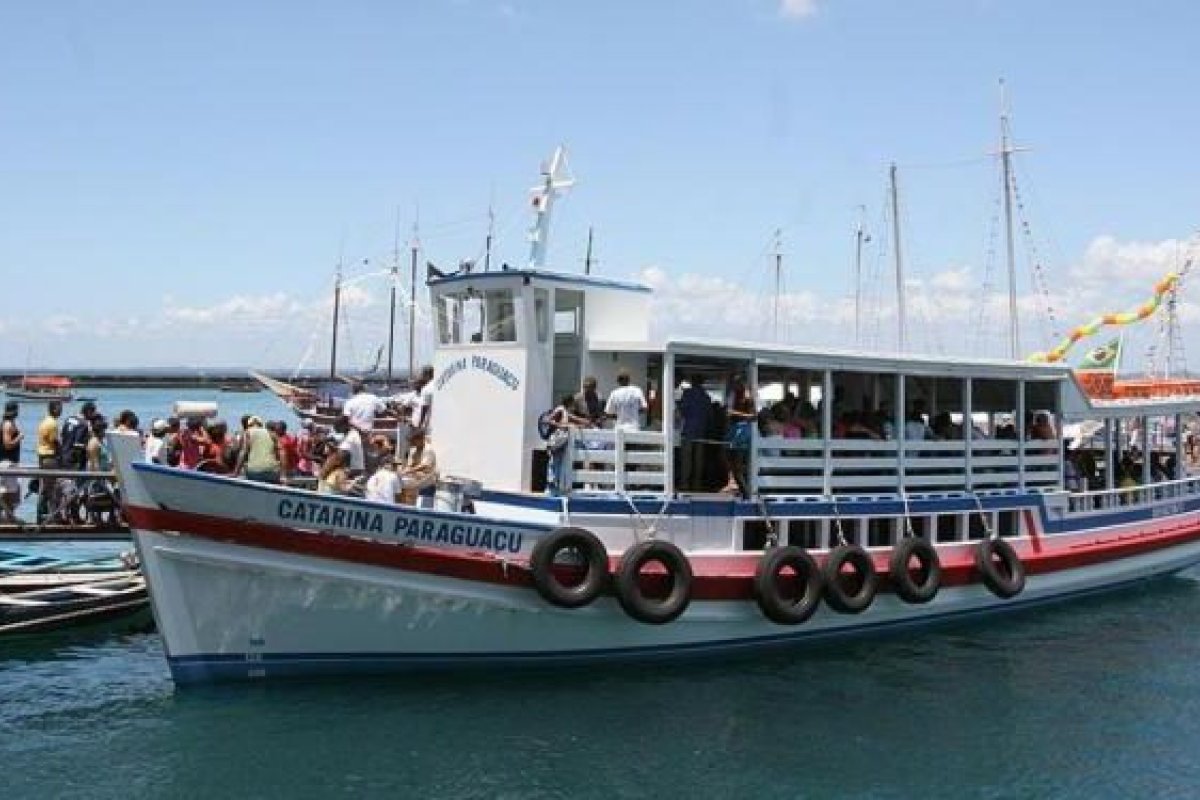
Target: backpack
[544, 425]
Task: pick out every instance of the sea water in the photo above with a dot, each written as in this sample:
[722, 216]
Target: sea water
[1094, 698]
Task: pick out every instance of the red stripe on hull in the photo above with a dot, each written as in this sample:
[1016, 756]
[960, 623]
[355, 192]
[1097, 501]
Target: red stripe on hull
[716, 577]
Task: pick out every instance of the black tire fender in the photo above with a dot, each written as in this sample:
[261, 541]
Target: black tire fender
[774, 604]
[1000, 567]
[850, 593]
[595, 562]
[922, 586]
[654, 610]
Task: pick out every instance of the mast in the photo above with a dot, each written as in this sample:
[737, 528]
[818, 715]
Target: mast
[555, 179]
[778, 281]
[337, 303]
[587, 257]
[860, 237]
[487, 245]
[391, 343]
[412, 304]
[901, 340]
[1006, 151]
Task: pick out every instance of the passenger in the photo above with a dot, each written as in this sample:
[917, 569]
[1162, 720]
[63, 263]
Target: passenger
[169, 454]
[854, 428]
[10, 456]
[942, 428]
[127, 422]
[154, 442]
[289, 452]
[98, 459]
[1072, 479]
[48, 451]
[587, 403]
[423, 414]
[334, 478]
[259, 458]
[739, 436]
[76, 433]
[362, 407]
[1042, 428]
[351, 444]
[304, 449]
[626, 404]
[192, 443]
[560, 421]
[914, 425]
[418, 473]
[805, 418]
[384, 485]
[695, 409]
[214, 457]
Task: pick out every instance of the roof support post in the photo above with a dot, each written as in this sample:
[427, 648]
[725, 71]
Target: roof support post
[667, 397]
[1022, 434]
[900, 418]
[1147, 453]
[827, 431]
[968, 434]
[1179, 470]
[752, 466]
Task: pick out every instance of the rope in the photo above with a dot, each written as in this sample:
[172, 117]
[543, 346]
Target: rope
[652, 529]
[837, 521]
[983, 518]
[772, 531]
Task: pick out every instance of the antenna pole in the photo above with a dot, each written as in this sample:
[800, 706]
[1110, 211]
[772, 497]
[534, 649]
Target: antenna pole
[778, 279]
[859, 235]
[337, 303]
[487, 248]
[412, 302]
[1006, 151]
[587, 258]
[900, 332]
[392, 313]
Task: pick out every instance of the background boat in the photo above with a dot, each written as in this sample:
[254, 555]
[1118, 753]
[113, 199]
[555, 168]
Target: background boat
[41, 388]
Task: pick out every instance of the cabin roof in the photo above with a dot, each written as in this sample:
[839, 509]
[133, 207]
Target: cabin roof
[547, 276]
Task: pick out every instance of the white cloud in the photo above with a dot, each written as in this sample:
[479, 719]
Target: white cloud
[797, 9]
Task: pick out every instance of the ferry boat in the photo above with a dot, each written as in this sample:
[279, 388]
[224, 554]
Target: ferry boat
[41, 388]
[849, 529]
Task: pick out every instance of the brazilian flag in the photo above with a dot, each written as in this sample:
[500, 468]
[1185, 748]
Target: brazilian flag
[1102, 357]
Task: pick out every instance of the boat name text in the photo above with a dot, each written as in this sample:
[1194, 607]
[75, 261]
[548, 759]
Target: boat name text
[483, 364]
[410, 527]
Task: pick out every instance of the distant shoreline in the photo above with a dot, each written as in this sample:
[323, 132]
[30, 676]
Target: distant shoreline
[168, 379]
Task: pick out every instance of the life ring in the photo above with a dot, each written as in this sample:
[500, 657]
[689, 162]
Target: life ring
[920, 585]
[768, 576]
[852, 592]
[654, 610]
[1001, 567]
[595, 561]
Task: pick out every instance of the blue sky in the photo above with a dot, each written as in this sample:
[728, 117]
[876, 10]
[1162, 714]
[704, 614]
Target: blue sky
[177, 181]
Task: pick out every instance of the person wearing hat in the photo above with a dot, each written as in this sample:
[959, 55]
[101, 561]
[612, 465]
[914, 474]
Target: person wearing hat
[154, 442]
[10, 456]
[418, 472]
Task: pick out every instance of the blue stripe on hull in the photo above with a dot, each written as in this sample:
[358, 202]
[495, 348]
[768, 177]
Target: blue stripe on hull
[237, 667]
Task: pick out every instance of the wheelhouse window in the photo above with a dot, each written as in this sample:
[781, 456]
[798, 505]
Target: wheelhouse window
[475, 317]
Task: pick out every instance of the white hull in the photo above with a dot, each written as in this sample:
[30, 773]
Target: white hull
[229, 612]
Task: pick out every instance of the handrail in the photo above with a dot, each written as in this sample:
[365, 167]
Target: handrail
[39, 472]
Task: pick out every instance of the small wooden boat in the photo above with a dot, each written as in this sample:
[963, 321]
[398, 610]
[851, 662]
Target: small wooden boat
[15, 563]
[22, 582]
[60, 607]
[41, 388]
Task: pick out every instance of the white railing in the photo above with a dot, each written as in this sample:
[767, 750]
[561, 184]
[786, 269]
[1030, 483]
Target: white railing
[1132, 496]
[616, 461]
[799, 466]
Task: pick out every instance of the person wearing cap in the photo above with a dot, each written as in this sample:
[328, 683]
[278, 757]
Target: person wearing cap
[418, 473]
[154, 442]
[10, 456]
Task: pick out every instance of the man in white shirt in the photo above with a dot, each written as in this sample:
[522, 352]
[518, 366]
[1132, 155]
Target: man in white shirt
[626, 404]
[384, 485]
[423, 417]
[351, 444]
[361, 408]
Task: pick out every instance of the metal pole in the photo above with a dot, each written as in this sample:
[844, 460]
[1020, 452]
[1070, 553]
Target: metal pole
[778, 280]
[587, 258]
[1014, 340]
[858, 246]
[901, 338]
[412, 308]
[392, 312]
[337, 302]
